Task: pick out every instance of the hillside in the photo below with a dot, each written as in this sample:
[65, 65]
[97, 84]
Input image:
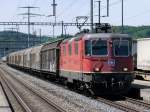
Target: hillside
[18, 36]
[135, 32]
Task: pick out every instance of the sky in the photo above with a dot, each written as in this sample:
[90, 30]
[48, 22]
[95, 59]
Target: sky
[136, 13]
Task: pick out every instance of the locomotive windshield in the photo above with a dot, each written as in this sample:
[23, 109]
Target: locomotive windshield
[96, 47]
[121, 48]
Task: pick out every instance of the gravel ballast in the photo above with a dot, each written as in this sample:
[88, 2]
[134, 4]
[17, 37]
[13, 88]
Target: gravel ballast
[70, 101]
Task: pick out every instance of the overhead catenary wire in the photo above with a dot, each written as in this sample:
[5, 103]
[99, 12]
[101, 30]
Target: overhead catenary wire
[88, 14]
[113, 3]
[130, 18]
[68, 7]
[85, 5]
[29, 14]
[104, 7]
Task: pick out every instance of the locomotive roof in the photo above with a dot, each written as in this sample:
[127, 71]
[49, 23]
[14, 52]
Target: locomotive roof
[107, 35]
[97, 35]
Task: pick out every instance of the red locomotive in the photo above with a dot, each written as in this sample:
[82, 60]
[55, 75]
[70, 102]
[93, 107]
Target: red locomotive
[100, 63]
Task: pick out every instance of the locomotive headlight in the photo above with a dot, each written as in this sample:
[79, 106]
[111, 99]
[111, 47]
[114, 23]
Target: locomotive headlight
[97, 69]
[125, 69]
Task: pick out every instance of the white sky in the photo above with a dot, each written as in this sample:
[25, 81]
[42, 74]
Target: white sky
[136, 12]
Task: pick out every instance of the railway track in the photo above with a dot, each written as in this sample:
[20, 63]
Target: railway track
[142, 75]
[117, 105]
[138, 102]
[20, 101]
[127, 104]
[134, 104]
[111, 103]
[36, 92]
[9, 107]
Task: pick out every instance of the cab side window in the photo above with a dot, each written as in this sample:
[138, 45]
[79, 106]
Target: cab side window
[76, 48]
[70, 49]
[88, 48]
[64, 50]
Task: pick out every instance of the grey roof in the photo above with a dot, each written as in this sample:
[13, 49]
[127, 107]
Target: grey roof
[98, 35]
[107, 35]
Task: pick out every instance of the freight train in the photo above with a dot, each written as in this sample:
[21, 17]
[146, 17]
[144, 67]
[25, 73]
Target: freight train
[98, 63]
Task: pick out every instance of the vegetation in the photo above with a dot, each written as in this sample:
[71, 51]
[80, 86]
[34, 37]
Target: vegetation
[18, 36]
[135, 32]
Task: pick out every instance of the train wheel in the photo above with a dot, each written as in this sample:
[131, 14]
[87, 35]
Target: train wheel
[88, 90]
[70, 85]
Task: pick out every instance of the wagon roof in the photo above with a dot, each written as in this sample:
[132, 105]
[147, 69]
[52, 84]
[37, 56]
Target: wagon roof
[51, 45]
[36, 49]
[17, 52]
[27, 51]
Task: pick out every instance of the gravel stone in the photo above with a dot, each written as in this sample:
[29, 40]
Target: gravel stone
[70, 101]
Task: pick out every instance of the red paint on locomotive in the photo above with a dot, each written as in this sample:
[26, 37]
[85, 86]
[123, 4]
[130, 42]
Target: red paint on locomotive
[81, 62]
[98, 58]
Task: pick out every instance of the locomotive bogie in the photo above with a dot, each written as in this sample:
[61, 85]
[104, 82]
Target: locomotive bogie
[115, 83]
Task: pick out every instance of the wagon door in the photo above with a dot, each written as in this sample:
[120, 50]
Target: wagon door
[53, 61]
[50, 52]
[57, 61]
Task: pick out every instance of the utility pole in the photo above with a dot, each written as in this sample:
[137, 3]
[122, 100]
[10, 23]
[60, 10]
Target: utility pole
[12, 29]
[107, 8]
[54, 8]
[40, 35]
[17, 30]
[29, 14]
[62, 29]
[54, 14]
[122, 17]
[4, 51]
[65, 28]
[28, 27]
[99, 11]
[91, 15]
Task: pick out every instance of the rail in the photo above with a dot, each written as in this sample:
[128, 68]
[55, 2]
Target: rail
[18, 98]
[46, 99]
[116, 105]
[138, 102]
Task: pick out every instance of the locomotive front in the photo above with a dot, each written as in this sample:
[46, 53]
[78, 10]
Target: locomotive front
[108, 59]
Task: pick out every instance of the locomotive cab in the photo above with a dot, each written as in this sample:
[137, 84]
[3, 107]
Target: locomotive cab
[108, 58]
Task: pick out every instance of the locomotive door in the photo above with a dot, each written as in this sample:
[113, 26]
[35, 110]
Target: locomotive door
[81, 61]
[57, 62]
